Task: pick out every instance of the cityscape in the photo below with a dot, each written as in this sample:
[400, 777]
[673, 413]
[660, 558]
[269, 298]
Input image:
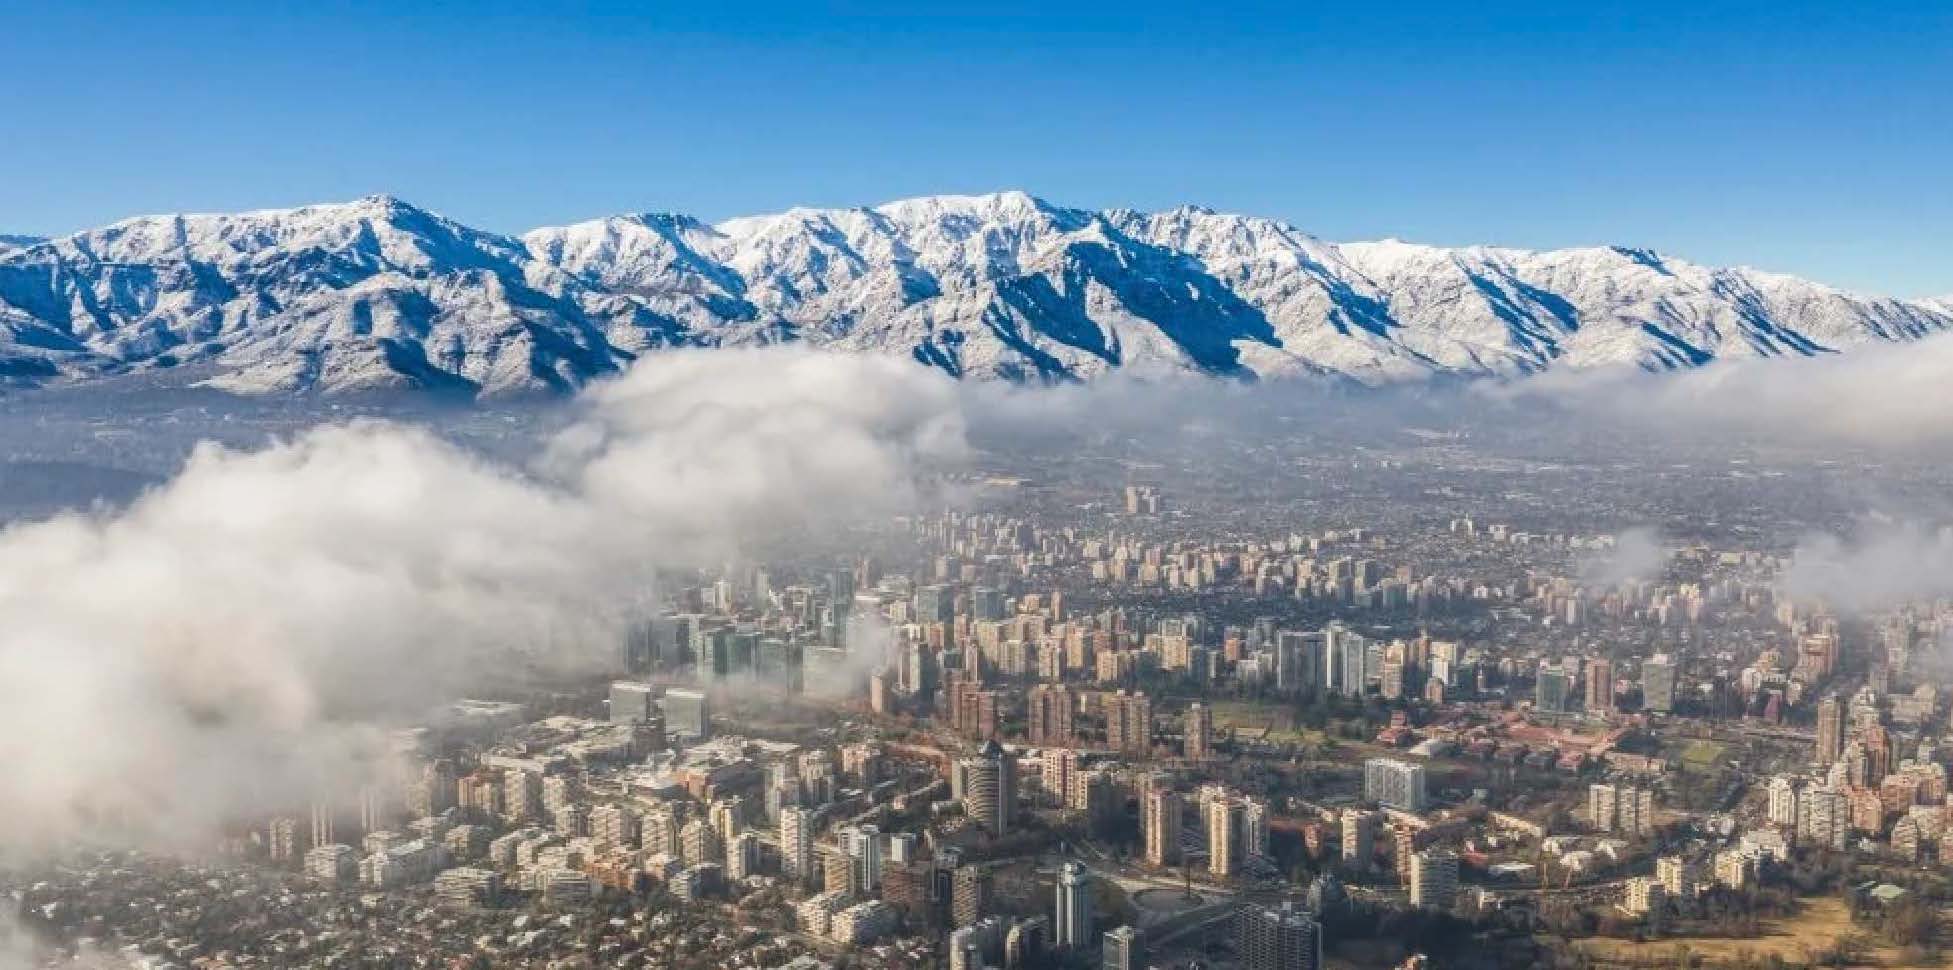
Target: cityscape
[1091, 716]
[910, 486]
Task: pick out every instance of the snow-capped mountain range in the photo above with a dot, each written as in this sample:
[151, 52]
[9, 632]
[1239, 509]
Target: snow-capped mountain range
[378, 294]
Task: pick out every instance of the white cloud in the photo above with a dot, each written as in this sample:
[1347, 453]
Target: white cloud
[235, 639]
[1886, 395]
[1637, 554]
[1884, 567]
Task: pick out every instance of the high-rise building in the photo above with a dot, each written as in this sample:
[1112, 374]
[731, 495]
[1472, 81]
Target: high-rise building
[727, 816]
[1353, 663]
[935, 604]
[712, 652]
[1299, 662]
[1403, 851]
[1551, 688]
[742, 855]
[1434, 878]
[687, 714]
[1635, 811]
[1390, 681]
[1058, 769]
[1644, 894]
[1277, 939]
[1395, 783]
[285, 842]
[969, 894]
[1129, 722]
[1600, 686]
[797, 843]
[1823, 818]
[1120, 950]
[1621, 808]
[1049, 709]
[1658, 683]
[1224, 841]
[1071, 925]
[1830, 729]
[614, 825]
[1161, 820]
[522, 795]
[864, 846]
[986, 603]
[631, 702]
[1254, 827]
[698, 843]
[1199, 729]
[1878, 754]
[1783, 801]
[919, 672]
[990, 788]
[1024, 943]
[1359, 838]
[332, 863]
[1603, 803]
[1678, 876]
[838, 870]
[907, 887]
[324, 824]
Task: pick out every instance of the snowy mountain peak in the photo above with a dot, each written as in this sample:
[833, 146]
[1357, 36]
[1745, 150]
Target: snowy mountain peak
[1009, 204]
[376, 292]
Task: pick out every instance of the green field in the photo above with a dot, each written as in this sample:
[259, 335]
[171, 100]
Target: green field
[1701, 755]
[1250, 719]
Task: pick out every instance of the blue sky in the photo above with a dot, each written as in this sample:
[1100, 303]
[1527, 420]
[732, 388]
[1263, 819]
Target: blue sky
[1808, 138]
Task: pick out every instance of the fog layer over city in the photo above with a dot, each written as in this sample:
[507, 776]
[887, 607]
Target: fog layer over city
[238, 637]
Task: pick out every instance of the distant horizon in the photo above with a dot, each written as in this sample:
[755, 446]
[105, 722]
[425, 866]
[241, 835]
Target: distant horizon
[716, 221]
[1805, 137]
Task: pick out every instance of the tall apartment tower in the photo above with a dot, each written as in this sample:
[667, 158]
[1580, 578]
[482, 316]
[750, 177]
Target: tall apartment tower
[1359, 838]
[1129, 722]
[1049, 708]
[1600, 686]
[1783, 801]
[1434, 878]
[1658, 683]
[990, 788]
[631, 701]
[797, 843]
[1224, 841]
[1161, 817]
[1603, 804]
[969, 894]
[1550, 688]
[1120, 950]
[1071, 924]
[1277, 939]
[1199, 729]
[1395, 783]
[1830, 730]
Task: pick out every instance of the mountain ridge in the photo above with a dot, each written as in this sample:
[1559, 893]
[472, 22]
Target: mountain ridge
[376, 293]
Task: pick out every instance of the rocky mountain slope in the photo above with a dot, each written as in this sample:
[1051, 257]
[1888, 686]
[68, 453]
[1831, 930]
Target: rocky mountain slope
[378, 294]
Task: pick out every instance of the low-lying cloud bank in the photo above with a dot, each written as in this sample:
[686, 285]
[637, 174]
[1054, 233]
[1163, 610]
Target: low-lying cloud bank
[1885, 567]
[1638, 555]
[1887, 395]
[236, 639]
[1890, 400]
